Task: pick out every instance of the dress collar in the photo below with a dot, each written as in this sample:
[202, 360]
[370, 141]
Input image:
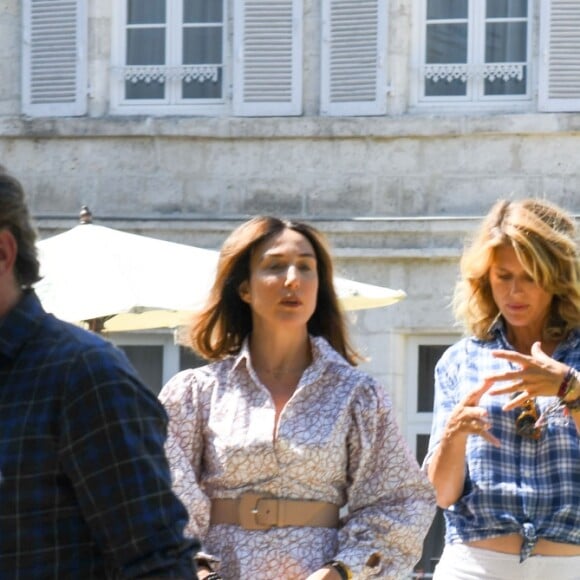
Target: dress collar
[322, 355]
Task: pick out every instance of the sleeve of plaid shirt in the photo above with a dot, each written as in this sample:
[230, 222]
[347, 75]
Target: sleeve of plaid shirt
[113, 433]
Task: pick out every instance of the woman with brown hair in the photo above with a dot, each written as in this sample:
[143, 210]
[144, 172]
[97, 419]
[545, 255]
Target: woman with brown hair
[504, 454]
[280, 431]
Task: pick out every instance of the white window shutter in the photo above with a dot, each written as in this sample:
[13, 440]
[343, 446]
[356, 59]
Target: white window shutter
[54, 63]
[559, 78]
[267, 75]
[353, 76]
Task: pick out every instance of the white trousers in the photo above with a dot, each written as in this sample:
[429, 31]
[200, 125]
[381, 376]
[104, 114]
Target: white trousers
[460, 562]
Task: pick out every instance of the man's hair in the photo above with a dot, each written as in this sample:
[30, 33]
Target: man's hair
[15, 217]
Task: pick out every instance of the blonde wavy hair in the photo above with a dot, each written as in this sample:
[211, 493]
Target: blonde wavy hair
[544, 238]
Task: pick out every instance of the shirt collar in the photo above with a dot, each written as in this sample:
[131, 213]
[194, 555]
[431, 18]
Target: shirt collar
[20, 323]
[322, 355]
[499, 332]
[243, 357]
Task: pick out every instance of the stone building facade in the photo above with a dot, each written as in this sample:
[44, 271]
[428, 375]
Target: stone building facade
[359, 116]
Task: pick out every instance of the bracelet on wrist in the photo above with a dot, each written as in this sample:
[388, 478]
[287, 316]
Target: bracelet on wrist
[573, 405]
[205, 562]
[574, 388]
[567, 383]
[341, 568]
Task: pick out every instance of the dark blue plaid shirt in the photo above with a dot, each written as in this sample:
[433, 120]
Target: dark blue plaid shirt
[85, 489]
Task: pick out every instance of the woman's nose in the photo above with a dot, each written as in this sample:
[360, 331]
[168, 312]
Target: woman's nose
[291, 276]
[516, 286]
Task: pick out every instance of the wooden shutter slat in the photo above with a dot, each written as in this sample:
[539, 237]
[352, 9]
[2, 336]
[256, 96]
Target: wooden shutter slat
[353, 52]
[559, 79]
[268, 63]
[54, 58]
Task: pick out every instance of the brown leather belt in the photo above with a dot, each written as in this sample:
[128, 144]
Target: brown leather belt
[253, 511]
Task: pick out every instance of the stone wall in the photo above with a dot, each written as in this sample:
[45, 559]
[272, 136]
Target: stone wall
[317, 168]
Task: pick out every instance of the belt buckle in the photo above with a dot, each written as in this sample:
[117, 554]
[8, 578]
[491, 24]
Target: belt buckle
[257, 512]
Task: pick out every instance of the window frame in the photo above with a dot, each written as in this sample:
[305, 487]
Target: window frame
[475, 50]
[419, 423]
[164, 339]
[171, 104]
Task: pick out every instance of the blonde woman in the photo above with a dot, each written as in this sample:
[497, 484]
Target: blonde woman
[504, 454]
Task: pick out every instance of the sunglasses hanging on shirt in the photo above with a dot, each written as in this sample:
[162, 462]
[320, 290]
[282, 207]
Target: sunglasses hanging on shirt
[526, 421]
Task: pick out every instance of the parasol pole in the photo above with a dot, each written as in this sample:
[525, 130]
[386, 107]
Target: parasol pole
[94, 324]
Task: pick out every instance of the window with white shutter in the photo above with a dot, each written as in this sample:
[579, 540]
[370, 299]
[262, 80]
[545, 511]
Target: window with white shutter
[474, 52]
[267, 57]
[168, 56]
[559, 88]
[54, 57]
[353, 77]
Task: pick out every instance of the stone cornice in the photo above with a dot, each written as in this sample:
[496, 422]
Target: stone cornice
[388, 127]
[367, 239]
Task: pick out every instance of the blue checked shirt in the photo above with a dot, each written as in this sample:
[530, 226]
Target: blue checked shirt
[85, 489]
[526, 486]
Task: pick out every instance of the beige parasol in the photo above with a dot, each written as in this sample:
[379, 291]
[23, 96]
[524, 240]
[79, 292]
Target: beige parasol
[118, 281]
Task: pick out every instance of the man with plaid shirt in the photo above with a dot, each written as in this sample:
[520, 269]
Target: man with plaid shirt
[85, 489]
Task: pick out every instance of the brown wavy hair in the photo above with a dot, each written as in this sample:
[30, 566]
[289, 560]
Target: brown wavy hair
[219, 329]
[15, 217]
[544, 238]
